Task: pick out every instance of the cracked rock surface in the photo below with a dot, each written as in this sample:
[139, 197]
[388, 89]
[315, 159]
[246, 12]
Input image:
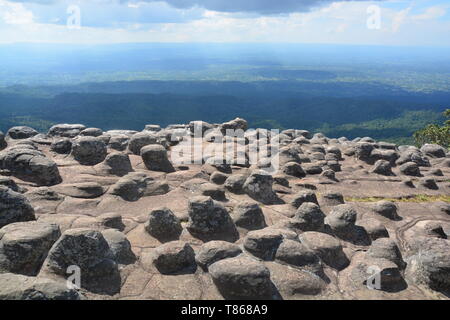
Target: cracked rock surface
[114, 206]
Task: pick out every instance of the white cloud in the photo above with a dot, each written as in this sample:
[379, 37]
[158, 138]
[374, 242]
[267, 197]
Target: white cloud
[15, 13]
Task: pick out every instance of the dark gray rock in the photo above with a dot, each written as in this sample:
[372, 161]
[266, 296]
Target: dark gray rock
[430, 265]
[428, 183]
[30, 165]
[332, 199]
[248, 215]
[140, 140]
[21, 132]
[156, 159]
[14, 207]
[91, 132]
[328, 248]
[174, 257]
[61, 146]
[342, 220]
[119, 142]
[302, 197]
[136, 185]
[259, 187]
[386, 209]
[242, 278]
[386, 248]
[263, 243]
[297, 254]
[374, 228]
[433, 150]
[293, 169]
[214, 251]
[309, 217]
[88, 250]
[163, 225]
[3, 143]
[19, 287]
[363, 151]
[235, 183]
[115, 163]
[410, 169]
[208, 219]
[382, 167]
[218, 177]
[10, 183]
[65, 130]
[89, 150]
[24, 246]
[214, 191]
[120, 247]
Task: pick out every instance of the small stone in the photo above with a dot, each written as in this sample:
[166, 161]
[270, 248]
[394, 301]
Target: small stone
[174, 257]
[214, 251]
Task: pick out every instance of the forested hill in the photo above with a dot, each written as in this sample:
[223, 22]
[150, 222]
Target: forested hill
[350, 109]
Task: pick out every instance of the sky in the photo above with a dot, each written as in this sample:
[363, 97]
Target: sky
[382, 22]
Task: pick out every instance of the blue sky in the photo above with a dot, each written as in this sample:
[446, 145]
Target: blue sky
[401, 22]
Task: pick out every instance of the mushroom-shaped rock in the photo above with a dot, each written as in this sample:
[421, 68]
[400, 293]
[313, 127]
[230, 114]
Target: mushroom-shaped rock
[430, 266]
[386, 209]
[116, 163]
[374, 228]
[236, 124]
[135, 185]
[89, 150]
[24, 246]
[120, 247]
[259, 187]
[332, 199]
[298, 255]
[248, 215]
[214, 251]
[163, 225]
[302, 197]
[218, 177]
[119, 142]
[91, 132]
[140, 140]
[88, 250]
[156, 159]
[111, 220]
[214, 191]
[174, 257]
[263, 243]
[328, 248]
[14, 207]
[61, 146]
[410, 169]
[66, 130]
[19, 287]
[428, 183]
[293, 169]
[209, 219]
[382, 167]
[235, 183]
[433, 150]
[84, 190]
[21, 132]
[242, 278]
[386, 248]
[342, 220]
[363, 151]
[30, 165]
[309, 217]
